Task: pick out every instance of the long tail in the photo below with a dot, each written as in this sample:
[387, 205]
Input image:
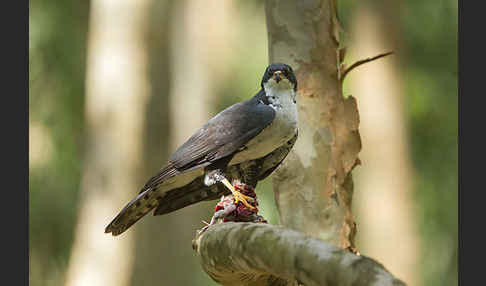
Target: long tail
[164, 202]
[190, 194]
[135, 210]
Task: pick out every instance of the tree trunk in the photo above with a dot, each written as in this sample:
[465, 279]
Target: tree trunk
[116, 94]
[313, 187]
[152, 240]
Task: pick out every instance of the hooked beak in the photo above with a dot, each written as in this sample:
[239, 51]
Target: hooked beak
[278, 76]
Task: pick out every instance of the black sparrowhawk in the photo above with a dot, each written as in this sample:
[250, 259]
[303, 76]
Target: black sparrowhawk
[247, 141]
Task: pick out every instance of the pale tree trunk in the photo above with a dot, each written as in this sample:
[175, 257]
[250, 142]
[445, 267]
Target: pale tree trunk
[313, 187]
[152, 263]
[197, 59]
[196, 56]
[116, 94]
[383, 201]
[190, 87]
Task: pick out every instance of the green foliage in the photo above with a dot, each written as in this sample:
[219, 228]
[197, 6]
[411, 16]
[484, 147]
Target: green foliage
[430, 31]
[433, 116]
[57, 43]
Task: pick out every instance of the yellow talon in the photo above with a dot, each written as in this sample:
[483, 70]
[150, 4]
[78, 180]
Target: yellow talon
[239, 197]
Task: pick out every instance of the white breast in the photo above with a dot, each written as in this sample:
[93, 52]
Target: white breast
[281, 130]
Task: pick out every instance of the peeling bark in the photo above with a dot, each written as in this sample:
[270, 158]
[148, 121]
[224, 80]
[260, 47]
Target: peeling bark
[313, 187]
[261, 254]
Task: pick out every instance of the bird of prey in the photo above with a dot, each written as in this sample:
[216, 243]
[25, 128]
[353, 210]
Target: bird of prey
[246, 142]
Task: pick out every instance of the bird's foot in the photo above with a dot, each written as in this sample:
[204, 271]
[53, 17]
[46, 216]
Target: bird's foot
[243, 213]
[238, 196]
[229, 209]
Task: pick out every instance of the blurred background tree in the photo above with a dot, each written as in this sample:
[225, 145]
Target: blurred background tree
[205, 55]
[57, 55]
[383, 203]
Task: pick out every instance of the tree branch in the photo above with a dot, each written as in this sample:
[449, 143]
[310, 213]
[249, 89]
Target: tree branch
[360, 62]
[262, 254]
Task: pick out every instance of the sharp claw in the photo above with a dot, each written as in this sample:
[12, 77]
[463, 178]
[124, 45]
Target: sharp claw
[239, 197]
[242, 198]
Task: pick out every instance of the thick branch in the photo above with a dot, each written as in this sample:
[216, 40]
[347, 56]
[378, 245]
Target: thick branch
[262, 254]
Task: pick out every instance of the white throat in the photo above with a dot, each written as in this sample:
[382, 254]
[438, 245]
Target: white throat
[280, 95]
[281, 98]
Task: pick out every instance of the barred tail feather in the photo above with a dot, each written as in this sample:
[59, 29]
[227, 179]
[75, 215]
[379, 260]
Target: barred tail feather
[190, 194]
[134, 211]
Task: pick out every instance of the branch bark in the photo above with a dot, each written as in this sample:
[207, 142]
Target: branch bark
[262, 254]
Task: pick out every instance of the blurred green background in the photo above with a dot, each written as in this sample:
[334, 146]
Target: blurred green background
[426, 32]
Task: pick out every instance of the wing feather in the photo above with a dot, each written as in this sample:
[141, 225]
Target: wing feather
[224, 134]
[221, 136]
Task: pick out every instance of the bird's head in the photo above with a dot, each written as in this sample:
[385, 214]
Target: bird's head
[279, 76]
